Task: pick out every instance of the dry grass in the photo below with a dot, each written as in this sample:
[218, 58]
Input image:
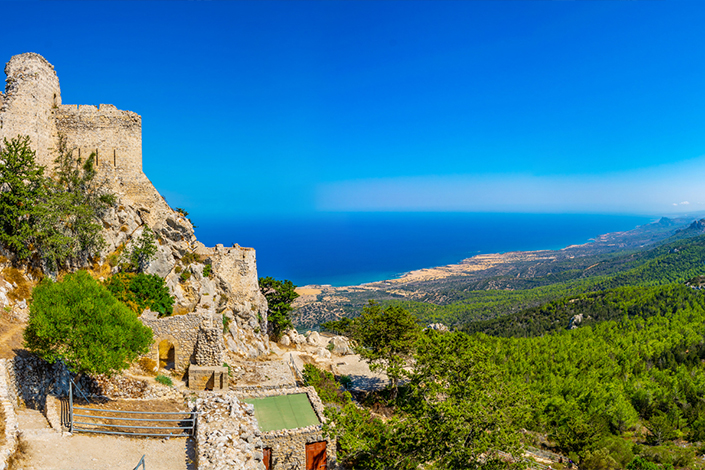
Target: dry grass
[24, 287]
[2, 427]
[10, 338]
[149, 366]
[17, 460]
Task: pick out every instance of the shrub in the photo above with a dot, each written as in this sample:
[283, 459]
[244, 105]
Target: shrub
[164, 380]
[345, 381]
[207, 270]
[144, 249]
[81, 323]
[113, 260]
[185, 276]
[326, 386]
[189, 258]
[141, 291]
[226, 323]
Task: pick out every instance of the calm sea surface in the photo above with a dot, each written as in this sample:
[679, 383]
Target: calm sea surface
[354, 248]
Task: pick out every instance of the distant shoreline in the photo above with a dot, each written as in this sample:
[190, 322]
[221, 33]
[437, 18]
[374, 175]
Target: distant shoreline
[484, 261]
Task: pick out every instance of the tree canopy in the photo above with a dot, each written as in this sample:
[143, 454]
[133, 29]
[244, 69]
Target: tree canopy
[55, 217]
[385, 338]
[22, 186]
[79, 322]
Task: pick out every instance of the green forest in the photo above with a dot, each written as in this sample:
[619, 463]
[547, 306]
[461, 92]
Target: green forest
[602, 371]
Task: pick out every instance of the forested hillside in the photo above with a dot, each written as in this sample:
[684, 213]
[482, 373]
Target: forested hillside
[602, 366]
[672, 262]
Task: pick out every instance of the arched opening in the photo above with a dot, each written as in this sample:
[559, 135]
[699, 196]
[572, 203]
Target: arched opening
[167, 355]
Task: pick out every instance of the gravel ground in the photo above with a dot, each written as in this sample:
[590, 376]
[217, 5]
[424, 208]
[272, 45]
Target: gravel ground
[89, 452]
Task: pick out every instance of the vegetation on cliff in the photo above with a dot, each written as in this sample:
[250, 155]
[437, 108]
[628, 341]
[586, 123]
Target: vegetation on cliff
[55, 217]
[141, 291]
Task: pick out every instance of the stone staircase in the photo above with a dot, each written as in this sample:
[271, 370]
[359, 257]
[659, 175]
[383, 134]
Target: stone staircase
[33, 425]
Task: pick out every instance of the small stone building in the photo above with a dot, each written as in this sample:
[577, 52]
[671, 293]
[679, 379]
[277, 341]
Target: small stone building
[290, 421]
[194, 340]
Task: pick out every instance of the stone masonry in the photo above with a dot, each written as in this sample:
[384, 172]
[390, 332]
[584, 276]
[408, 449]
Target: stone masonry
[195, 337]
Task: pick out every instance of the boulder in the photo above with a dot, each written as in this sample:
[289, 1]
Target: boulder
[322, 354]
[341, 346]
[285, 340]
[314, 339]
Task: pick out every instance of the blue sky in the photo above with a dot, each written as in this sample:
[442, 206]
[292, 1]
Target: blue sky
[258, 109]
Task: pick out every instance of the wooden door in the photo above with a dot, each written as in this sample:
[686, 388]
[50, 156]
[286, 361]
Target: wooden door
[316, 456]
[267, 459]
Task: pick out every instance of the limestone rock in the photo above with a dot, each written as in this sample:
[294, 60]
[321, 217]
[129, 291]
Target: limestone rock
[285, 340]
[323, 354]
[341, 346]
[314, 339]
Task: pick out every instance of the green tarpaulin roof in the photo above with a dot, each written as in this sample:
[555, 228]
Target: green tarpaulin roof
[283, 412]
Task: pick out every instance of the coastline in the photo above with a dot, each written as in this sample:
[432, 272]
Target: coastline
[486, 265]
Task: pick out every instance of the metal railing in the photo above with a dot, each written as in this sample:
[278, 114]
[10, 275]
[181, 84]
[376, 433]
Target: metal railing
[141, 462]
[178, 423]
[298, 375]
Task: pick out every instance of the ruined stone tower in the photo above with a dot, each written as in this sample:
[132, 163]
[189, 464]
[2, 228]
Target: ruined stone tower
[31, 105]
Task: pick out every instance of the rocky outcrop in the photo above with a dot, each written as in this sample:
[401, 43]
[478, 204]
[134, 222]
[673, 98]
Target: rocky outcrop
[219, 281]
[32, 106]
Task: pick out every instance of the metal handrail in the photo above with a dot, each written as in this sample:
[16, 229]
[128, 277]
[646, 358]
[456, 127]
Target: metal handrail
[141, 462]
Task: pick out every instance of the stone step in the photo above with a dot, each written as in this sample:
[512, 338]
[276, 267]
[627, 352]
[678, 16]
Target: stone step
[32, 420]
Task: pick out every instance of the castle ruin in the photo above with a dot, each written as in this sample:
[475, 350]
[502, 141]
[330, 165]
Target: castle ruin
[31, 105]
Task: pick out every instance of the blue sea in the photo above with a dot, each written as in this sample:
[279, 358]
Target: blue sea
[354, 248]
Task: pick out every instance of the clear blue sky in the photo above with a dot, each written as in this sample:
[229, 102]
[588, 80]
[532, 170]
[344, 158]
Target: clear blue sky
[269, 108]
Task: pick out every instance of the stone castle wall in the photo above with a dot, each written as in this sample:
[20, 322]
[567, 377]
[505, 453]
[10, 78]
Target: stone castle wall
[115, 136]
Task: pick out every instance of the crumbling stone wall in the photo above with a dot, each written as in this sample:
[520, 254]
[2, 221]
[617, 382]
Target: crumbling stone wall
[114, 135]
[209, 346]
[227, 435]
[11, 423]
[195, 338]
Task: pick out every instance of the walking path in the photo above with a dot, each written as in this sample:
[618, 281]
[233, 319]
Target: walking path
[47, 449]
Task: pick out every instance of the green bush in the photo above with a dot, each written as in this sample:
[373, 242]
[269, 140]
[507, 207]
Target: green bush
[164, 380]
[326, 386]
[141, 291]
[207, 270]
[669, 455]
[143, 251]
[185, 276]
[81, 323]
[345, 381]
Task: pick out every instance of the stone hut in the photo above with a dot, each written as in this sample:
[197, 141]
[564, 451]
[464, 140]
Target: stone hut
[285, 444]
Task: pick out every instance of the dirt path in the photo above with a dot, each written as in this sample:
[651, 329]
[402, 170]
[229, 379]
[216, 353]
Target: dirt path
[46, 449]
[10, 338]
